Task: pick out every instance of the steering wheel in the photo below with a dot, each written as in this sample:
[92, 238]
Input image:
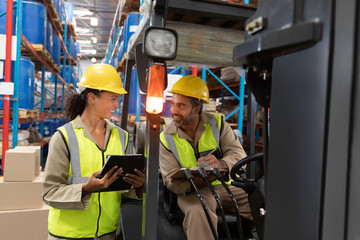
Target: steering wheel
[237, 172]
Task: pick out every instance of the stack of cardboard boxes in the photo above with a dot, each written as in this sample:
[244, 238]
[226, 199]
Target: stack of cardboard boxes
[23, 214]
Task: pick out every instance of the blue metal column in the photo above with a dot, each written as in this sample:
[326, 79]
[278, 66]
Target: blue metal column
[183, 71]
[203, 74]
[63, 67]
[241, 100]
[17, 74]
[70, 70]
[55, 92]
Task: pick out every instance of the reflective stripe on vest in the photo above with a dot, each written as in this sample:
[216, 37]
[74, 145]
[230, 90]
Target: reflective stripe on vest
[75, 155]
[182, 149]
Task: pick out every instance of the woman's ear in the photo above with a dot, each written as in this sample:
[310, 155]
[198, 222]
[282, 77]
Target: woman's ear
[91, 97]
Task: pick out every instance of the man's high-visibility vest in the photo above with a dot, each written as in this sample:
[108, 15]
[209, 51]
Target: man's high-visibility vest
[184, 152]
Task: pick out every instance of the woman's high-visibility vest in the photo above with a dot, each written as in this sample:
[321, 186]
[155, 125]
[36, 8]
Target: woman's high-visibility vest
[102, 215]
[184, 152]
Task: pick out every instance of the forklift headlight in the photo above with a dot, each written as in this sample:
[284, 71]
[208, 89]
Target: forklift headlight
[160, 43]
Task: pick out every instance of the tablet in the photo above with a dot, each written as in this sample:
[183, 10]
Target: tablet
[128, 163]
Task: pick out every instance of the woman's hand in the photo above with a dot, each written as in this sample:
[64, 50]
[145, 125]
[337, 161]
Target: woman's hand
[136, 180]
[94, 184]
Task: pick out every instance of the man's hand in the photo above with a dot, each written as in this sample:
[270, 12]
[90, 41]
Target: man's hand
[213, 162]
[94, 184]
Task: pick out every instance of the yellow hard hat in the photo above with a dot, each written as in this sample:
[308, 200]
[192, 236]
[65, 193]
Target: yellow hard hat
[102, 77]
[191, 86]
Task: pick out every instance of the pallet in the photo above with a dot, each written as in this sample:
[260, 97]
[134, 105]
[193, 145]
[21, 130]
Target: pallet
[130, 6]
[71, 59]
[41, 50]
[235, 3]
[53, 14]
[23, 113]
[132, 118]
[122, 64]
[123, 16]
[70, 29]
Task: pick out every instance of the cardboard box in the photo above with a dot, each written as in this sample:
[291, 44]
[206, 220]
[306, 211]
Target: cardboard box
[31, 224]
[38, 152]
[19, 165]
[21, 195]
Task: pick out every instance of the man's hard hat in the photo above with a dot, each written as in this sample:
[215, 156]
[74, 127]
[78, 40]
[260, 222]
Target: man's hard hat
[191, 86]
[102, 77]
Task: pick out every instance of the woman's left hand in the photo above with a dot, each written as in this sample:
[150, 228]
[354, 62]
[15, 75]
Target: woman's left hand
[136, 180]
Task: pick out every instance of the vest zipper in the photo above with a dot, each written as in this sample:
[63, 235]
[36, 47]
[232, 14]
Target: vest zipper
[98, 220]
[193, 149]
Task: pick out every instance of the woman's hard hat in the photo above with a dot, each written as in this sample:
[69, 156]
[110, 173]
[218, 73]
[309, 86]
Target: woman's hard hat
[102, 77]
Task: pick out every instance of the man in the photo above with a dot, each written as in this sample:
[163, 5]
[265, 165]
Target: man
[187, 142]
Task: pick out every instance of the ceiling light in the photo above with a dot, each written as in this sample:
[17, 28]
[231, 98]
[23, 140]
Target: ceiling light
[82, 30]
[93, 60]
[94, 21]
[85, 51]
[93, 51]
[81, 13]
[84, 41]
[94, 39]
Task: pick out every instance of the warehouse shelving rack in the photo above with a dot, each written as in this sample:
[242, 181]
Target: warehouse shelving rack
[174, 7]
[23, 42]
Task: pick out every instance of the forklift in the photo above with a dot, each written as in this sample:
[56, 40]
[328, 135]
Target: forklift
[301, 63]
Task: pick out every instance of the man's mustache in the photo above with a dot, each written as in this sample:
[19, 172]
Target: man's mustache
[176, 115]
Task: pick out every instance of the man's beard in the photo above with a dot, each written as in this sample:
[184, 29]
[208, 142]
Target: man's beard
[183, 120]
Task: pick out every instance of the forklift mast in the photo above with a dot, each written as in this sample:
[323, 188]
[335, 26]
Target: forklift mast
[301, 59]
[302, 64]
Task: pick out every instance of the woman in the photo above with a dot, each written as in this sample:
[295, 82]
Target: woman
[77, 152]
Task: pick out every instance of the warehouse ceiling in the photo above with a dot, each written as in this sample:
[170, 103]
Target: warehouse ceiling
[84, 10]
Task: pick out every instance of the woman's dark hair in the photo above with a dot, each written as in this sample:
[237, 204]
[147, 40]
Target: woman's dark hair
[76, 103]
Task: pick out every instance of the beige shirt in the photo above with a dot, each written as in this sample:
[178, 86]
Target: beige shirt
[228, 143]
[57, 192]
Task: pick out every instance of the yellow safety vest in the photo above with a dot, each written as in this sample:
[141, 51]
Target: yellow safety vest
[184, 152]
[102, 215]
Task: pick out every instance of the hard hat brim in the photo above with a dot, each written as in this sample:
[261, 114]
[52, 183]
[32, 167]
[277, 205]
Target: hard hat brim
[204, 100]
[115, 90]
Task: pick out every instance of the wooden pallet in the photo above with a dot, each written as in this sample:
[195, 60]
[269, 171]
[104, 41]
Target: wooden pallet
[132, 118]
[53, 13]
[123, 16]
[72, 60]
[130, 5]
[24, 113]
[122, 64]
[41, 50]
[70, 29]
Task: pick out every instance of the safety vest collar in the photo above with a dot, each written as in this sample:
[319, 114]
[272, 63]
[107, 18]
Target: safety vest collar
[75, 162]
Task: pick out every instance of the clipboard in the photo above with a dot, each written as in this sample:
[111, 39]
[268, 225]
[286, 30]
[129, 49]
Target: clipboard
[128, 163]
[179, 174]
